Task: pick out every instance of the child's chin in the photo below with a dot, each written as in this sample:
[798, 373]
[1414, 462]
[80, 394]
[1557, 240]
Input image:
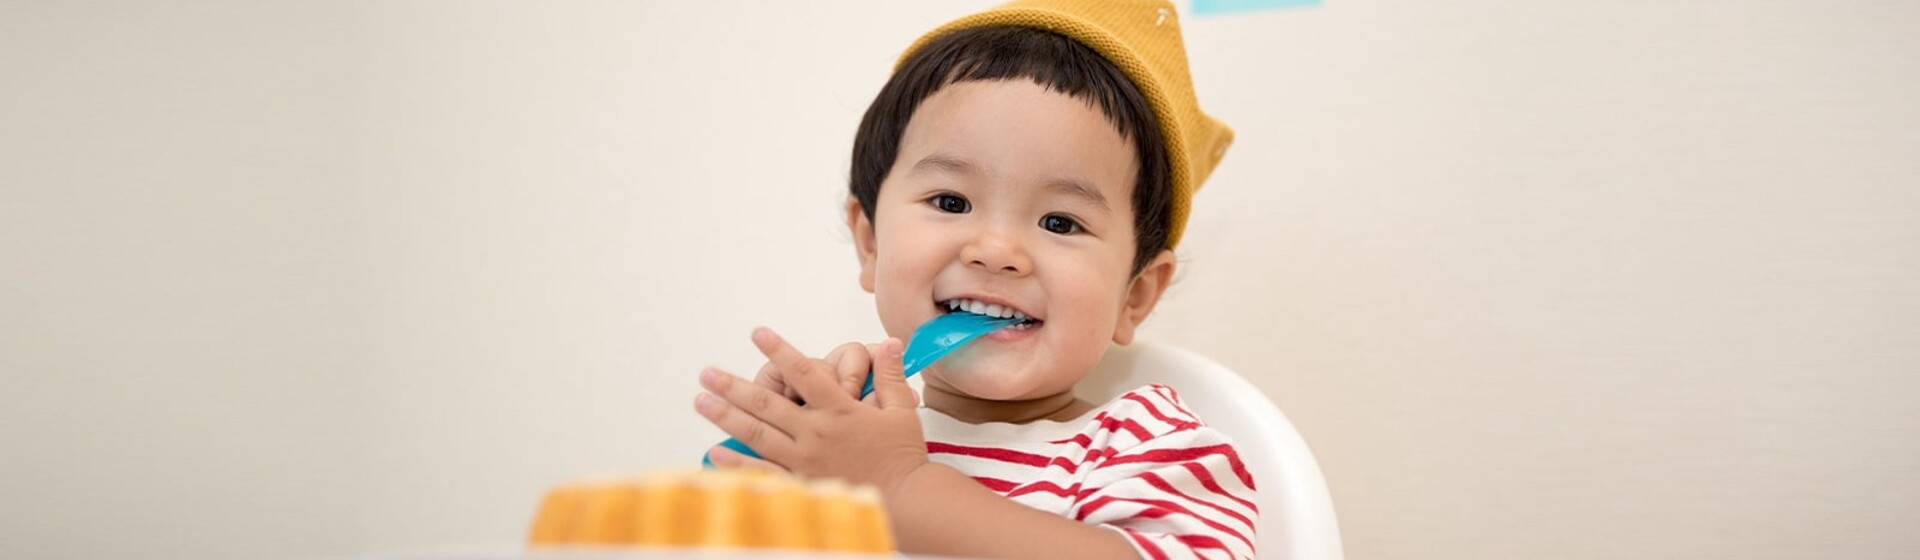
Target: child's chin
[982, 386]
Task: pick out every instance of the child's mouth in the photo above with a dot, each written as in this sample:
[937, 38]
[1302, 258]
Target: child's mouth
[964, 305]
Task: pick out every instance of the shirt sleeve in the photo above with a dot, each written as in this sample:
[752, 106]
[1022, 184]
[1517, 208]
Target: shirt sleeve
[1184, 494]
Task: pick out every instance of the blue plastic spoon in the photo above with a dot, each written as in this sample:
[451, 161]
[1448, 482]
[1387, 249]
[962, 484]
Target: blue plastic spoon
[933, 340]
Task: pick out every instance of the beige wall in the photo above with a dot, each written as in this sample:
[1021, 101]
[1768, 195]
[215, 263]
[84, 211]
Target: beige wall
[1560, 280]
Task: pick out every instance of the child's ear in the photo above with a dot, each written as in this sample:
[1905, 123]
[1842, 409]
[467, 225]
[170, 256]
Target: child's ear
[1142, 294]
[863, 245]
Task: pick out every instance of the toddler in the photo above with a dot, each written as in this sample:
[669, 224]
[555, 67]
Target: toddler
[1034, 161]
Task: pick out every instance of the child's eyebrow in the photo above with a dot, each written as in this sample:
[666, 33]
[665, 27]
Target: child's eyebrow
[1081, 190]
[945, 163]
[1073, 187]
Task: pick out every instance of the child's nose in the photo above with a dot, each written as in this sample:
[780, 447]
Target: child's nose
[997, 252]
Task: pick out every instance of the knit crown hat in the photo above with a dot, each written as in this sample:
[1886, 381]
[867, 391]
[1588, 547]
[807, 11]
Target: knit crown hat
[1142, 38]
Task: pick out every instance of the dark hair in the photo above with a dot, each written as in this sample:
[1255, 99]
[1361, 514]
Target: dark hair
[1049, 59]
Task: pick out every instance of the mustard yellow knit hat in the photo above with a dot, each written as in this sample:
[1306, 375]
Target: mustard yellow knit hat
[1142, 37]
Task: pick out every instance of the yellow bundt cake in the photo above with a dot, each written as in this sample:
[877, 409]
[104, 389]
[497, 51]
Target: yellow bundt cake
[714, 509]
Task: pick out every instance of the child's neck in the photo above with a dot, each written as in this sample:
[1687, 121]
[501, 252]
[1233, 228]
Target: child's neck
[1057, 408]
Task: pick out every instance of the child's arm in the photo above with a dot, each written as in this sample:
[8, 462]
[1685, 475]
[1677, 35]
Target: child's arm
[934, 509]
[938, 510]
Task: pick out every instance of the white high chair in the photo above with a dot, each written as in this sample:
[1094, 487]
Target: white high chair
[1296, 511]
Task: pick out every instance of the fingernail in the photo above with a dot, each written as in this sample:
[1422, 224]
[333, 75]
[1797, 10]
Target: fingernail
[704, 403]
[761, 334]
[894, 348]
[708, 377]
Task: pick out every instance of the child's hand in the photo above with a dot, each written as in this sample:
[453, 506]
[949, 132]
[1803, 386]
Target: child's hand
[833, 435]
[851, 364]
[850, 361]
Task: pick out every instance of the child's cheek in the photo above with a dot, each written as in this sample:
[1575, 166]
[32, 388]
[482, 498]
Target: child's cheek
[898, 309]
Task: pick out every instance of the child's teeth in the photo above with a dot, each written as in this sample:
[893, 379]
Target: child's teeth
[989, 310]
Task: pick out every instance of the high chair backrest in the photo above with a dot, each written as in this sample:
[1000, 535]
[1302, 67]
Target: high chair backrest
[1296, 511]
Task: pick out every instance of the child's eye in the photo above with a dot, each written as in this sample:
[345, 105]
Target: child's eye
[1059, 224]
[951, 204]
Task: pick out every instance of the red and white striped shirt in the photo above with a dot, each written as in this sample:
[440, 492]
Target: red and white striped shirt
[1142, 464]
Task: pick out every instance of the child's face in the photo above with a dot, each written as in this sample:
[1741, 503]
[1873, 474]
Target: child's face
[1009, 194]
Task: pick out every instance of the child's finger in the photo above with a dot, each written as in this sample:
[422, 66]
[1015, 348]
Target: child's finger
[769, 377]
[873, 361]
[813, 378]
[753, 399]
[761, 436]
[850, 361]
[889, 380]
[726, 458]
